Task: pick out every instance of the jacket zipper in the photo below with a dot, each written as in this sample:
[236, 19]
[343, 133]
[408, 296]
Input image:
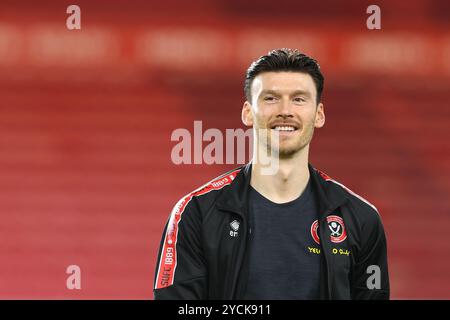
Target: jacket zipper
[326, 250]
[240, 264]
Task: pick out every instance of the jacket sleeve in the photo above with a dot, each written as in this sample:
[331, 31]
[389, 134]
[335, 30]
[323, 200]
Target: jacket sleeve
[371, 277]
[181, 268]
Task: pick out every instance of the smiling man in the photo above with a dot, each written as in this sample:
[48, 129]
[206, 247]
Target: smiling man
[292, 234]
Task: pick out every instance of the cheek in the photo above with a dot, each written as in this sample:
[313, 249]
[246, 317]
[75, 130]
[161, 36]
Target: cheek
[260, 115]
[307, 116]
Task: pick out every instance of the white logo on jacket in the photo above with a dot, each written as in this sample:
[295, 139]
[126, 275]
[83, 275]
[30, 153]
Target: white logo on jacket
[234, 228]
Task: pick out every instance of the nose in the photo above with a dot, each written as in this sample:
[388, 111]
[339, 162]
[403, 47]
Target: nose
[285, 109]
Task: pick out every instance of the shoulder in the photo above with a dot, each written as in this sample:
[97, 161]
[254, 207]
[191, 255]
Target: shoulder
[206, 192]
[362, 207]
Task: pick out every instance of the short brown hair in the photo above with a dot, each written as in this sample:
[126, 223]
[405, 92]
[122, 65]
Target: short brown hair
[284, 60]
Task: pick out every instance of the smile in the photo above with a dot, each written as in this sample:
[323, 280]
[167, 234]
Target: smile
[284, 128]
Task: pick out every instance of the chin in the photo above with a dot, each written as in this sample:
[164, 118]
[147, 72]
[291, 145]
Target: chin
[289, 151]
[283, 154]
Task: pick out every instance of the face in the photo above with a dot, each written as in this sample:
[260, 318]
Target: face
[284, 102]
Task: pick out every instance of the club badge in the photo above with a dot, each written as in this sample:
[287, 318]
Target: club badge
[336, 226]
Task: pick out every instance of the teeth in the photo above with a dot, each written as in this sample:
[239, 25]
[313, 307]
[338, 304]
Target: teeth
[284, 128]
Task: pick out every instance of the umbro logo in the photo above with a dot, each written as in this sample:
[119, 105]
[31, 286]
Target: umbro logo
[234, 228]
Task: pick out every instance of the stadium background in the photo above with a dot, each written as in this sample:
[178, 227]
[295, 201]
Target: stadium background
[86, 118]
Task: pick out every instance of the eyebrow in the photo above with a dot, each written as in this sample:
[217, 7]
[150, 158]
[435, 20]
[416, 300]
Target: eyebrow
[295, 93]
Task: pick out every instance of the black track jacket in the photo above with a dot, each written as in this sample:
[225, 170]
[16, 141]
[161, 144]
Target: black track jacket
[205, 241]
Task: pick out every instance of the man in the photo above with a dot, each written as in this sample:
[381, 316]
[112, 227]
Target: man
[294, 233]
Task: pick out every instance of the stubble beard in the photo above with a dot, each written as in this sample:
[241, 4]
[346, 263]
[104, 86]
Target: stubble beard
[286, 149]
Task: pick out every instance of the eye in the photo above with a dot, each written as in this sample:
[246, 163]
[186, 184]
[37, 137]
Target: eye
[299, 99]
[269, 98]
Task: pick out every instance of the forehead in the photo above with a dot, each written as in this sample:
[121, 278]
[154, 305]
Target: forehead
[283, 82]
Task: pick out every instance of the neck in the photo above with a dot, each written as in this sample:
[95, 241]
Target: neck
[285, 184]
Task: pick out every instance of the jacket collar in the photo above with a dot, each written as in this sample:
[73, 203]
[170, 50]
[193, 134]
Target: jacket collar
[330, 196]
[235, 198]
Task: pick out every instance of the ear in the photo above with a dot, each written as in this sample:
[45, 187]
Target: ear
[247, 116]
[320, 116]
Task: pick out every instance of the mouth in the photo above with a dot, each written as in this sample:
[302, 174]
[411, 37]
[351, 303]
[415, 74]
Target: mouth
[284, 128]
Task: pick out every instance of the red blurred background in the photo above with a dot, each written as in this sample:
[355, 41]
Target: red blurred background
[86, 118]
